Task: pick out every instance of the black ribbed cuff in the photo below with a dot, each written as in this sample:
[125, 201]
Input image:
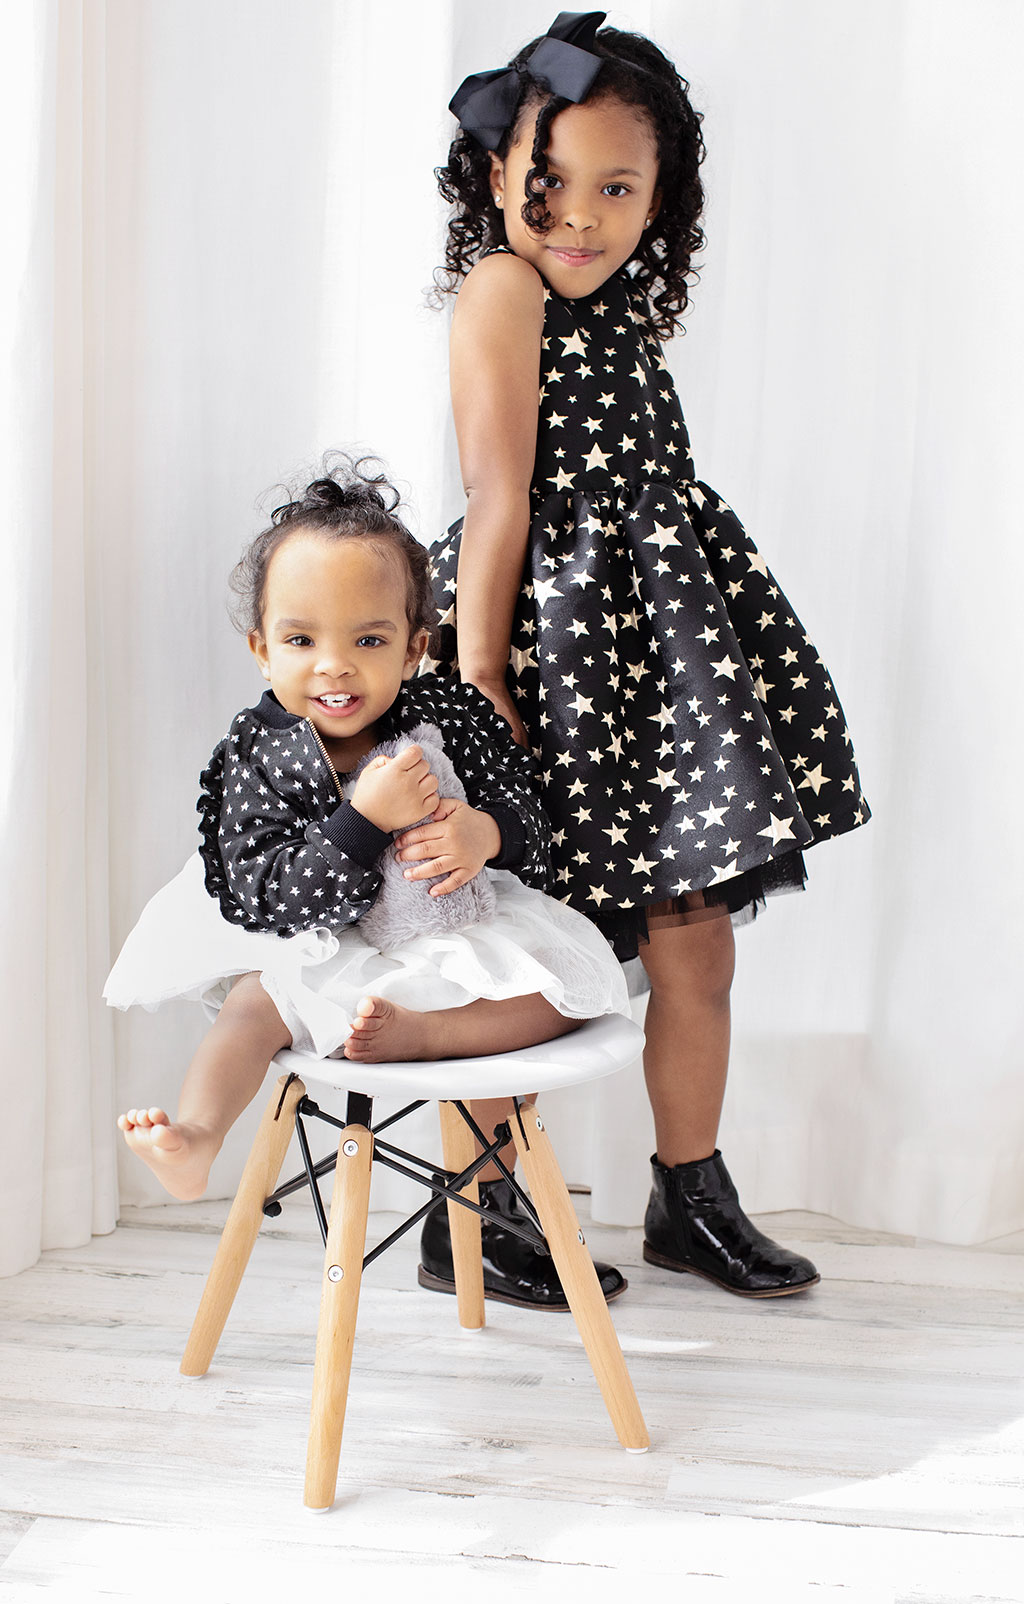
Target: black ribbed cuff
[354, 835]
[513, 836]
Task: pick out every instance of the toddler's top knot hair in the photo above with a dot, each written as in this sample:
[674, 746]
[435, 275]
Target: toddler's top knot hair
[344, 488]
[352, 499]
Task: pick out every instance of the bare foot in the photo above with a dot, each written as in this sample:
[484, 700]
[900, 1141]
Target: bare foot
[179, 1155]
[385, 1032]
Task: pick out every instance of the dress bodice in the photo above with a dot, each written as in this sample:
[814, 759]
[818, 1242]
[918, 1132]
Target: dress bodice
[609, 413]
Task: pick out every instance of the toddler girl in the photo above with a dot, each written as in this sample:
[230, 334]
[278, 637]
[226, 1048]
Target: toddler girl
[609, 604]
[299, 810]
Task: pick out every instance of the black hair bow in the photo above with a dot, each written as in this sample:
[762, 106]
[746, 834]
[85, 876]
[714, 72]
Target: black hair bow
[485, 103]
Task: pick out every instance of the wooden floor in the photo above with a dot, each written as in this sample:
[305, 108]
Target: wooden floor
[862, 1442]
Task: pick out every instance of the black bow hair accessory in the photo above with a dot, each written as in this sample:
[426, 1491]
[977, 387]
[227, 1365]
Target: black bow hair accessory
[485, 103]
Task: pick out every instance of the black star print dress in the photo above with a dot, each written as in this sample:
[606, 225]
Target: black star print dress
[689, 736]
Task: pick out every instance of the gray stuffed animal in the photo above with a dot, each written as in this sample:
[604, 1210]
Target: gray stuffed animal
[403, 908]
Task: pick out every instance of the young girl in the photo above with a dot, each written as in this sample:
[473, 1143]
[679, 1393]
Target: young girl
[609, 604]
[298, 813]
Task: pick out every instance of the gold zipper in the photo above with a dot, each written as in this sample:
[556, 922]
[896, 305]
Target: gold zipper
[323, 752]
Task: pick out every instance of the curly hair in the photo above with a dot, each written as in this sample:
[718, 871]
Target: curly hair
[346, 503]
[637, 73]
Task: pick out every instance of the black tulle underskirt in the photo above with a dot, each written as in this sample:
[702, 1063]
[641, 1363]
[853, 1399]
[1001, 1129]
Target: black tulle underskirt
[742, 897]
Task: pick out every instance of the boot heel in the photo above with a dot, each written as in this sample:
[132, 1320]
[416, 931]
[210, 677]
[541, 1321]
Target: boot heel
[434, 1283]
[652, 1256]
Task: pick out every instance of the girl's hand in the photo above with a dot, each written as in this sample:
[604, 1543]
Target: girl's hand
[457, 842]
[393, 792]
[496, 691]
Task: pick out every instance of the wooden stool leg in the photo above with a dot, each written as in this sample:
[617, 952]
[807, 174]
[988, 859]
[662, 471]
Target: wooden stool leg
[579, 1278]
[339, 1304]
[459, 1153]
[259, 1178]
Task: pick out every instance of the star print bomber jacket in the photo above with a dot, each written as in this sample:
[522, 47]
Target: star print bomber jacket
[284, 852]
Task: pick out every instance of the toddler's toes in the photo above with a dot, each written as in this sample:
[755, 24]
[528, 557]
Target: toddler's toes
[358, 1045]
[371, 1013]
[372, 1025]
[142, 1119]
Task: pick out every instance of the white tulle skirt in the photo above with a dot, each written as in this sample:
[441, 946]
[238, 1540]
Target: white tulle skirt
[183, 947]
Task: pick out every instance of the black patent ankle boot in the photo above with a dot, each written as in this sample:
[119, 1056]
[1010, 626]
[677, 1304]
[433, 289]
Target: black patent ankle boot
[515, 1271]
[694, 1223]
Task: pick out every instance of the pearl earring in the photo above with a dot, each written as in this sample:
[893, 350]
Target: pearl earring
[498, 200]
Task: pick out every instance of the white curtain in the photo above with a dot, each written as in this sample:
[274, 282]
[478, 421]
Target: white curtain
[218, 233]
[57, 1182]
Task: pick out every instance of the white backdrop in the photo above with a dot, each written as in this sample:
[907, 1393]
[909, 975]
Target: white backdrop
[219, 232]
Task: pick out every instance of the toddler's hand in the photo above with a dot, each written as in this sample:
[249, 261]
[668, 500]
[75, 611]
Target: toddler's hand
[393, 792]
[457, 842]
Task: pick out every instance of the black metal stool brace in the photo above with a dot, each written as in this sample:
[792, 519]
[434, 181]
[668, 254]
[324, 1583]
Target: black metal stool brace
[598, 1048]
[360, 1112]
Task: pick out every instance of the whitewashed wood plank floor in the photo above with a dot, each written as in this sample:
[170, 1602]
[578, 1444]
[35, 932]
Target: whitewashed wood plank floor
[864, 1442]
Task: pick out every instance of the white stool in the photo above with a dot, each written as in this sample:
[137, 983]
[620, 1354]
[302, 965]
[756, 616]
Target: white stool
[597, 1048]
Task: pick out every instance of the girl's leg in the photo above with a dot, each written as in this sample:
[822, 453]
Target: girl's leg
[222, 1079]
[489, 1112]
[694, 1219]
[384, 1030]
[686, 1052]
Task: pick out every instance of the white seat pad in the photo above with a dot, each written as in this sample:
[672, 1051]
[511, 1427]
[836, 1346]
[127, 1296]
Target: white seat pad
[598, 1048]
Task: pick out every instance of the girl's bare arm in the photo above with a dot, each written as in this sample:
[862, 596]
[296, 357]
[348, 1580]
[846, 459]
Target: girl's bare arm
[495, 379]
